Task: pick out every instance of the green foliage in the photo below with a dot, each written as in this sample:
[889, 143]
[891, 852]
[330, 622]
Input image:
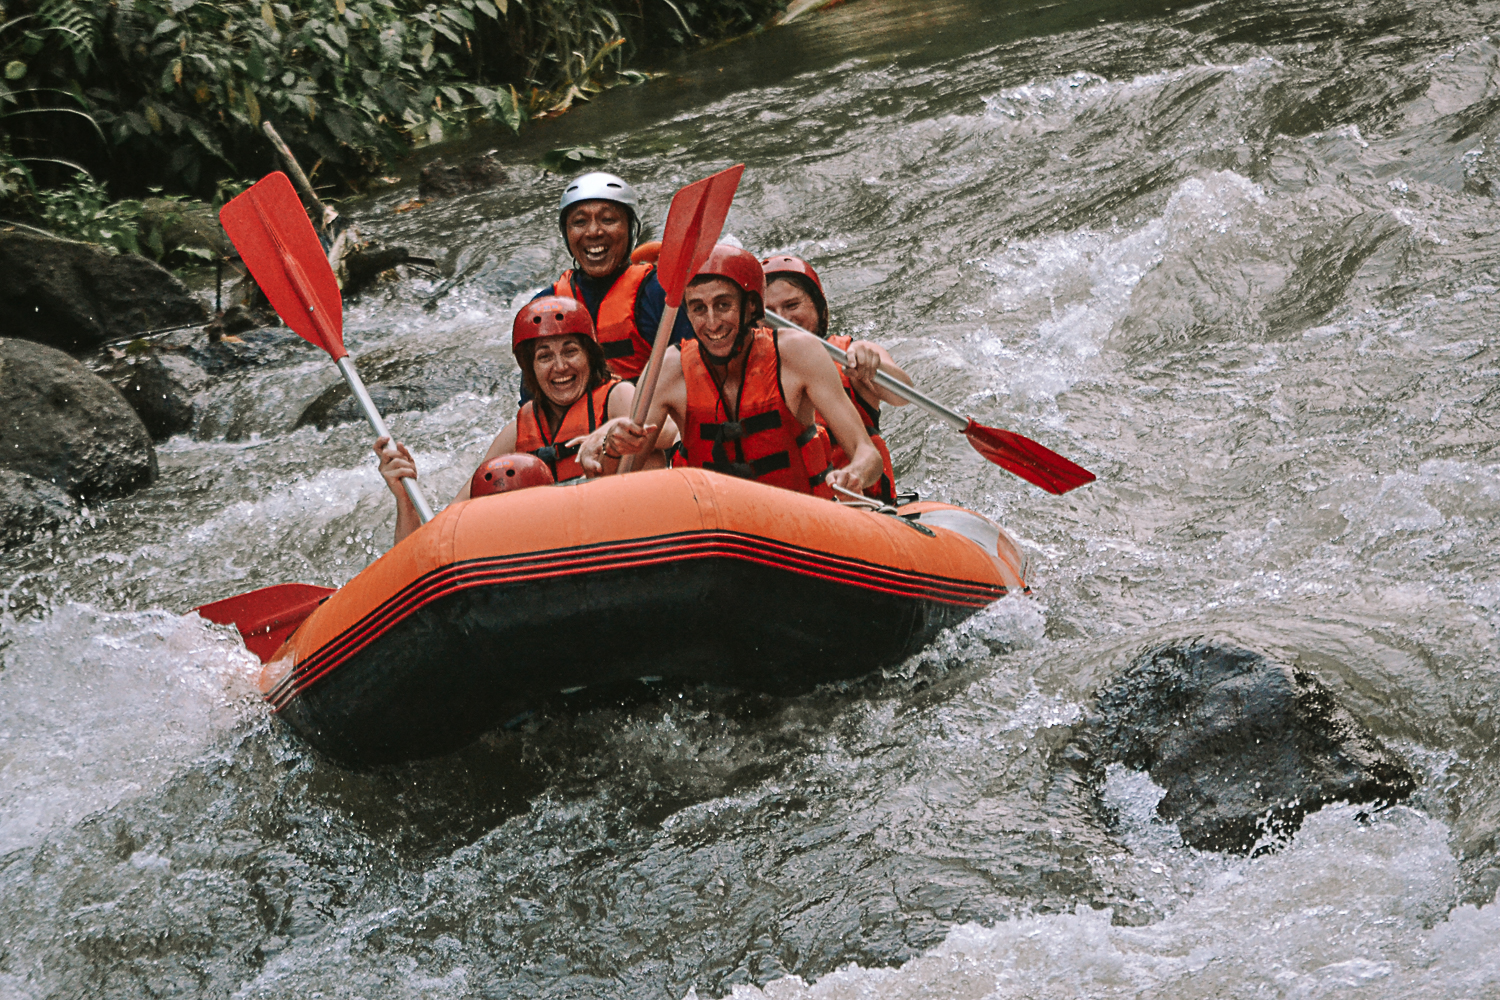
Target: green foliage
[571, 159]
[173, 92]
[83, 210]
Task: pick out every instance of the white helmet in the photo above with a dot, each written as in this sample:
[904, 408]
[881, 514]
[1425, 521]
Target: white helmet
[599, 186]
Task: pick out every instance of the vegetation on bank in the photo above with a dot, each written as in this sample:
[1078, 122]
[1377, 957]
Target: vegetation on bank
[126, 96]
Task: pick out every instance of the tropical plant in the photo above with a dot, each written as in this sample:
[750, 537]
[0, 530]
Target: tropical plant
[172, 92]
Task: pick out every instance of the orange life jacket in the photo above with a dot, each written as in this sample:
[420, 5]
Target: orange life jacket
[765, 441]
[624, 347]
[884, 489]
[588, 412]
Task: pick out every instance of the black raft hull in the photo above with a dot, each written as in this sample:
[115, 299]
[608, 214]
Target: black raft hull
[425, 651]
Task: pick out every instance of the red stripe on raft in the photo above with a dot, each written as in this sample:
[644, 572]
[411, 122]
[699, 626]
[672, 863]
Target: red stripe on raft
[662, 549]
[421, 591]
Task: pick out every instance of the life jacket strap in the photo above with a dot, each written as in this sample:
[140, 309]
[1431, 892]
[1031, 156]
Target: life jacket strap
[614, 349]
[733, 430]
[808, 433]
[753, 470]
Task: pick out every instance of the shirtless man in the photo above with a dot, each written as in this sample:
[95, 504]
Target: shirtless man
[746, 397]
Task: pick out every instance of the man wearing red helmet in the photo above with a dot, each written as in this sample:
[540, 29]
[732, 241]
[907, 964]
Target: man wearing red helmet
[573, 393]
[794, 292]
[746, 397]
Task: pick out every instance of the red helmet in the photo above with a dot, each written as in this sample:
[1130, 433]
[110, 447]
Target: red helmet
[510, 472]
[737, 265]
[550, 316]
[787, 264]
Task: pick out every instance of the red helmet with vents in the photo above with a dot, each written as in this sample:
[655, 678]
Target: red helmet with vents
[550, 316]
[509, 472]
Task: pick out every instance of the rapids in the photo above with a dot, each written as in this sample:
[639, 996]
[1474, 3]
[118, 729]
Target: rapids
[1238, 258]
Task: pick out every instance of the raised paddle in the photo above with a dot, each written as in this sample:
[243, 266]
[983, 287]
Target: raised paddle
[270, 229]
[693, 225]
[1031, 461]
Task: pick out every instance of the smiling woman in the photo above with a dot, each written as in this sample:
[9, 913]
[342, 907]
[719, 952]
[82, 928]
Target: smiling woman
[573, 393]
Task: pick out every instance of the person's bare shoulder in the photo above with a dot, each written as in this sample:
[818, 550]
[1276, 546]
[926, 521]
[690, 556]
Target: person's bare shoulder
[805, 353]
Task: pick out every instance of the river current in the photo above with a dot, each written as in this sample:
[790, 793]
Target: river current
[1238, 258]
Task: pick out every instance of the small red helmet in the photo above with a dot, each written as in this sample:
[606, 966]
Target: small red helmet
[550, 316]
[737, 265]
[510, 472]
[787, 264]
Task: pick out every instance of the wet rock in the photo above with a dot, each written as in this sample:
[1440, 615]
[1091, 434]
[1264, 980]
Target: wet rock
[74, 296]
[1244, 745]
[368, 261]
[160, 388]
[399, 381]
[478, 173]
[63, 424]
[29, 505]
[262, 347]
[189, 226]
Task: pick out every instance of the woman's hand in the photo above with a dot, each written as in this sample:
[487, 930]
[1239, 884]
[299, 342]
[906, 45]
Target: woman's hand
[612, 441]
[864, 362]
[396, 464]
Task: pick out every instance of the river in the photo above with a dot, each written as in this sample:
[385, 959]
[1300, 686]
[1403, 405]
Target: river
[1237, 258]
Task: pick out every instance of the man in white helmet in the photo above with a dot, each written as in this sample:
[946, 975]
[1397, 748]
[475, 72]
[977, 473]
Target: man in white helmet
[598, 215]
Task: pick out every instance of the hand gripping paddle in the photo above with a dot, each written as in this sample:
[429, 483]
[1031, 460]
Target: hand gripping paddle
[270, 229]
[1033, 462]
[693, 225]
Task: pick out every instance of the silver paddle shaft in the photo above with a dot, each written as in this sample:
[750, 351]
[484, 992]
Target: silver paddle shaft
[883, 380]
[356, 386]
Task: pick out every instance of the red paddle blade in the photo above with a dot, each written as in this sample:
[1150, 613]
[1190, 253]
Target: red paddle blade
[266, 617]
[270, 229]
[693, 225]
[1033, 462]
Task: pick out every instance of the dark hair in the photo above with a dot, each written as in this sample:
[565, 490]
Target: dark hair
[599, 372]
[803, 282]
[757, 309]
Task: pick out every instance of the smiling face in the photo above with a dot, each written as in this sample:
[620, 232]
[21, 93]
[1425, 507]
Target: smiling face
[791, 301]
[715, 307]
[599, 237]
[561, 368]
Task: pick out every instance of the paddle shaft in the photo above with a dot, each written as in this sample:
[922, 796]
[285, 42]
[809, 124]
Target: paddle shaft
[646, 385]
[332, 342]
[885, 381]
[372, 414]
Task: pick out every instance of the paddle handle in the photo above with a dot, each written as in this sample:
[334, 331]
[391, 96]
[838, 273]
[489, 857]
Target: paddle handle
[372, 414]
[906, 392]
[646, 387]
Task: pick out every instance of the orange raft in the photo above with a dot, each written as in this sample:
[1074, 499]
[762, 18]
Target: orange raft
[501, 601]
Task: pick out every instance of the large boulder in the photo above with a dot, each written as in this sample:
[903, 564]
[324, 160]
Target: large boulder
[161, 389]
[29, 505]
[67, 426]
[448, 180]
[75, 296]
[1244, 745]
[402, 379]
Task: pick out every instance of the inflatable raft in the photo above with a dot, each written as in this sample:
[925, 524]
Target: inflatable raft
[501, 601]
